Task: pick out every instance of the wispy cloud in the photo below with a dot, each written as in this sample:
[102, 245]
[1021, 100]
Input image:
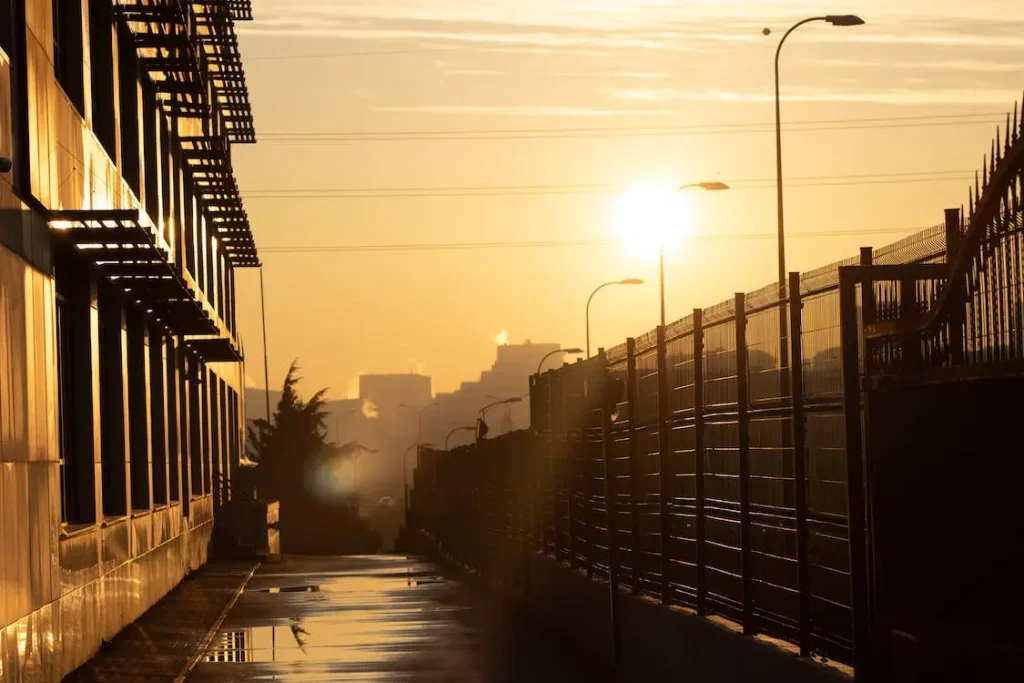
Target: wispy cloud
[497, 110]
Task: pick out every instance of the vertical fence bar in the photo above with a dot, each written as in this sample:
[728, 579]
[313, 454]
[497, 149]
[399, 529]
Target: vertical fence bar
[910, 342]
[587, 466]
[743, 418]
[799, 459]
[570, 471]
[664, 457]
[698, 458]
[613, 550]
[744, 465]
[956, 317]
[855, 472]
[868, 304]
[634, 465]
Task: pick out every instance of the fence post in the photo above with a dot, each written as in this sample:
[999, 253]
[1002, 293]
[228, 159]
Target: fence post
[634, 475]
[664, 469]
[549, 475]
[956, 318]
[609, 507]
[743, 418]
[856, 492]
[698, 457]
[587, 464]
[567, 380]
[911, 342]
[799, 459]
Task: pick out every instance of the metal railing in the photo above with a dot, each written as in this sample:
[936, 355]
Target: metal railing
[690, 493]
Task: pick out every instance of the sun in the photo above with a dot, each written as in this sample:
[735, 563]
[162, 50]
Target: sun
[651, 215]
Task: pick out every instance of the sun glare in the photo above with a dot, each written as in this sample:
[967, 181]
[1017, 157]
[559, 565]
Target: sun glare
[650, 215]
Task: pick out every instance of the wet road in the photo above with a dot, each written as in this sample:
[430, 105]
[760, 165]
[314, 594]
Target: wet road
[379, 618]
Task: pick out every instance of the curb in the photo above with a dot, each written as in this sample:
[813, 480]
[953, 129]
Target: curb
[204, 644]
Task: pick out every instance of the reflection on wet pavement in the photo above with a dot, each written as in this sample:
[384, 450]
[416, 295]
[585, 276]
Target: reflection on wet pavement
[375, 618]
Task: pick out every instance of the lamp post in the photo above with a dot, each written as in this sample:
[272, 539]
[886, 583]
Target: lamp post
[457, 429]
[419, 417]
[628, 281]
[573, 351]
[713, 186]
[835, 20]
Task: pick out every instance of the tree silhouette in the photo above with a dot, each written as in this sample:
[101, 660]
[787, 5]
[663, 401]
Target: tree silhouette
[296, 465]
[296, 433]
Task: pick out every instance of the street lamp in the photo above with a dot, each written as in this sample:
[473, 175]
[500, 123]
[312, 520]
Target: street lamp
[572, 351]
[504, 401]
[629, 281]
[835, 20]
[457, 429]
[713, 186]
[419, 416]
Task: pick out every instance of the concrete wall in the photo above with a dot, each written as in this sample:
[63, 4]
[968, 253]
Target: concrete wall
[658, 643]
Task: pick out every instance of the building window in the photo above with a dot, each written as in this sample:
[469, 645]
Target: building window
[74, 347]
[173, 430]
[112, 403]
[7, 26]
[139, 415]
[101, 68]
[67, 50]
[128, 92]
[158, 413]
[65, 400]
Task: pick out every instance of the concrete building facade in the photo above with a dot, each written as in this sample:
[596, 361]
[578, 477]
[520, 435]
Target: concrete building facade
[121, 228]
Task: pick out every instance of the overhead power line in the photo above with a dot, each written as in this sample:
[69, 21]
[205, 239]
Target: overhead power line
[986, 118]
[522, 244]
[555, 189]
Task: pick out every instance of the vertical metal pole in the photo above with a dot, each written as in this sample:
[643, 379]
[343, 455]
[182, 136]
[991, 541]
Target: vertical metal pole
[586, 465]
[743, 419]
[661, 276]
[664, 467]
[911, 342]
[957, 315]
[799, 461]
[266, 366]
[868, 304]
[567, 380]
[856, 491]
[699, 454]
[613, 544]
[634, 465]
[781, 218]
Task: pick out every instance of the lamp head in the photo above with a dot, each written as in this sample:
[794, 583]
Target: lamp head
[631, 281]
[844, 20]
[572, 351]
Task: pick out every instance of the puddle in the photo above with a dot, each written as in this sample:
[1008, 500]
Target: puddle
[354, 585]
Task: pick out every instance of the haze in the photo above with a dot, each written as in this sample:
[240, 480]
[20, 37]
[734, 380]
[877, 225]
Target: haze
[664, 81]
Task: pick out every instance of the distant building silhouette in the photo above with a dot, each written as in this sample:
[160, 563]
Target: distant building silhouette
[509, 377]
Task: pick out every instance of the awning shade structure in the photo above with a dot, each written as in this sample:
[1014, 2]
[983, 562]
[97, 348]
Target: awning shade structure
[129, 253]
[214, 349]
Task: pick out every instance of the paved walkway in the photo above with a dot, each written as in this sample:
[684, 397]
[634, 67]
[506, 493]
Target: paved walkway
[380, 618]
[160, 645]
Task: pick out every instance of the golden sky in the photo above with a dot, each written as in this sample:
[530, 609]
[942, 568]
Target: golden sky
[893, 116]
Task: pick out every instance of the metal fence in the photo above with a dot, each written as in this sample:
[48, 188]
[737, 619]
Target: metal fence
[689, 491]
